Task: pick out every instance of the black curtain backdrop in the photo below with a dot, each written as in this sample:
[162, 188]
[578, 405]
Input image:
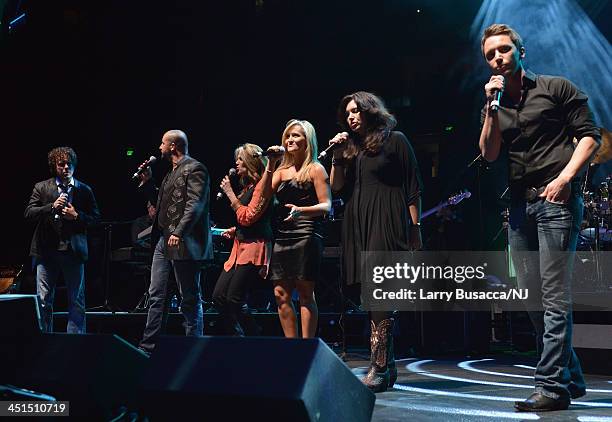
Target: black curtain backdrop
[105, 77]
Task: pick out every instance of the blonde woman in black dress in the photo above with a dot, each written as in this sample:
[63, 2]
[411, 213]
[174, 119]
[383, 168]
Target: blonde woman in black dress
[302, 189]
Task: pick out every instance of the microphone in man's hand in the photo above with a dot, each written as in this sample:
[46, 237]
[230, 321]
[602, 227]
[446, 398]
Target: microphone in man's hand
[144, 166]
[331, 147]
[497, 95]
[56, 211]
[230, 174]
[281, 150]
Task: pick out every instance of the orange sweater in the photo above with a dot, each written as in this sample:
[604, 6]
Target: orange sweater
[255, 251]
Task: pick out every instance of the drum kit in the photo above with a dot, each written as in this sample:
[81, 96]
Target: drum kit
[597, 222]
[591, 270]
[596, 231]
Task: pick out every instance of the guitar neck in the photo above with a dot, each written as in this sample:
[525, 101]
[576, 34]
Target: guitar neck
[434, 210]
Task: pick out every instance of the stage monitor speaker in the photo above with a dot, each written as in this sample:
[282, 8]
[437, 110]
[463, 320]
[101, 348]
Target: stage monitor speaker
[19, 316]
[96, 373]
[593, 345]
[255, 378]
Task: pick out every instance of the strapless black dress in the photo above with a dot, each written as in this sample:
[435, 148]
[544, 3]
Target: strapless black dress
[298, 245]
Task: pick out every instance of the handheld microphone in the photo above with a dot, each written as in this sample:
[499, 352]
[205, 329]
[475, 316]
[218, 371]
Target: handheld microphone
[281, 150]
[57, 213]
[331, 147]
[495, 103]
[496, 100]
[230, 173]
[144, 166]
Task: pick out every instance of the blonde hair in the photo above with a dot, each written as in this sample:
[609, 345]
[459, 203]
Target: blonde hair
[255, 165]
[303, 175]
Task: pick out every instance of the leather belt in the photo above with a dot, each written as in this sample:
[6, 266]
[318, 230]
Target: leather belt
[533, 194]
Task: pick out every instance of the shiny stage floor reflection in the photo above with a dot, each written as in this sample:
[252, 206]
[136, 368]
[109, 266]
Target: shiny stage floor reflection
[477, 390]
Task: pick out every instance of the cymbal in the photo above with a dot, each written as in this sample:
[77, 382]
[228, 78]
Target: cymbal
[604, 153]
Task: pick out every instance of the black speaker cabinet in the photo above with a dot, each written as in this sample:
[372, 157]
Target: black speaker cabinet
[19, 315]
[258, 378]
[96, 373]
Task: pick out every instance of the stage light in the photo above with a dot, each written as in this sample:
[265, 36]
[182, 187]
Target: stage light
[525, 367]
[417, 367]
[18, 20]
[467, 365]
[488, 413]
[129, 152]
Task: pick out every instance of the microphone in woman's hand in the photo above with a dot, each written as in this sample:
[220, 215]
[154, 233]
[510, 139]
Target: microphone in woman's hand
[280, 151]
[331, 147]
[230, 174]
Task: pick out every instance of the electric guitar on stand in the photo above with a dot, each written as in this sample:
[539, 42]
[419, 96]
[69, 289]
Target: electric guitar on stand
[453, 200]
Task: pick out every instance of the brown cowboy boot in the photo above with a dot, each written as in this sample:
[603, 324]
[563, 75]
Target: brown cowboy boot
[377, 378]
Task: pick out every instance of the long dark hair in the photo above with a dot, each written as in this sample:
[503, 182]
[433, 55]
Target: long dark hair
[376, 118]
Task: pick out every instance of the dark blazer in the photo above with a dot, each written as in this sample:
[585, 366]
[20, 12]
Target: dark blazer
[47, 232]
[183, 202]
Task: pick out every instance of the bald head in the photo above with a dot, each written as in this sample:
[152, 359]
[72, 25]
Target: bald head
[178, 138]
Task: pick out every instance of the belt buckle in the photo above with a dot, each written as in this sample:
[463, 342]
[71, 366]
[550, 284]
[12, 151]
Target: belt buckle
[531, 194]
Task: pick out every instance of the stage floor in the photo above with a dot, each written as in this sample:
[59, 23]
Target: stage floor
[460, 389]
[477, 390]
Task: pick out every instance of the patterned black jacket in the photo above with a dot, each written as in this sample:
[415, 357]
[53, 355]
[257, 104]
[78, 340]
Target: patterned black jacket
[183, 211]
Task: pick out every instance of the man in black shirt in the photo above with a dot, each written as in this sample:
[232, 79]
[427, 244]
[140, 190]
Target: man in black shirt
[181, 238]
[535, 122]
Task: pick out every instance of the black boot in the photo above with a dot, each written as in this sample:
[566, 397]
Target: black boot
[377, 378]
[232, 319]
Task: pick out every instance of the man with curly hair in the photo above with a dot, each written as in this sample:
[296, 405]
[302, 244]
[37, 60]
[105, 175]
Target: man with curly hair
[62, 208]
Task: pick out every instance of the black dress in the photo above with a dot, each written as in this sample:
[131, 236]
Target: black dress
[298, 245]
[380, 188]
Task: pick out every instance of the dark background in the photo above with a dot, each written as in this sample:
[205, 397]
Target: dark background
[106, 76]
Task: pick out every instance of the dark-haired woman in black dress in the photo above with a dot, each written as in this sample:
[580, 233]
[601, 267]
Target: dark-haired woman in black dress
[377, 168]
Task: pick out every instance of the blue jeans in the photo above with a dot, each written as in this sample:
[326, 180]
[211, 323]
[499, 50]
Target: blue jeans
[187, 274]
[543, 240]
[48, 270]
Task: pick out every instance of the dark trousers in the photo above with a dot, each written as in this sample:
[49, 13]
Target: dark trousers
[187, 274]
[230, 296]
[543, 240]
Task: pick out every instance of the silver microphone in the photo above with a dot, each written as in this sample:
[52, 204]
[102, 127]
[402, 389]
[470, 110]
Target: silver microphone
[57, 213]
[496, 99]
[281, 150]
[331, 147]
[152, 159]
[230, 173]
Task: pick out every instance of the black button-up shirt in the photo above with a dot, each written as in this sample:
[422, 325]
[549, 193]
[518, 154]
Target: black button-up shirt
[537, 132]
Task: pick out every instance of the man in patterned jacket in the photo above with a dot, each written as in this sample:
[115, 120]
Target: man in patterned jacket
[181, 238]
